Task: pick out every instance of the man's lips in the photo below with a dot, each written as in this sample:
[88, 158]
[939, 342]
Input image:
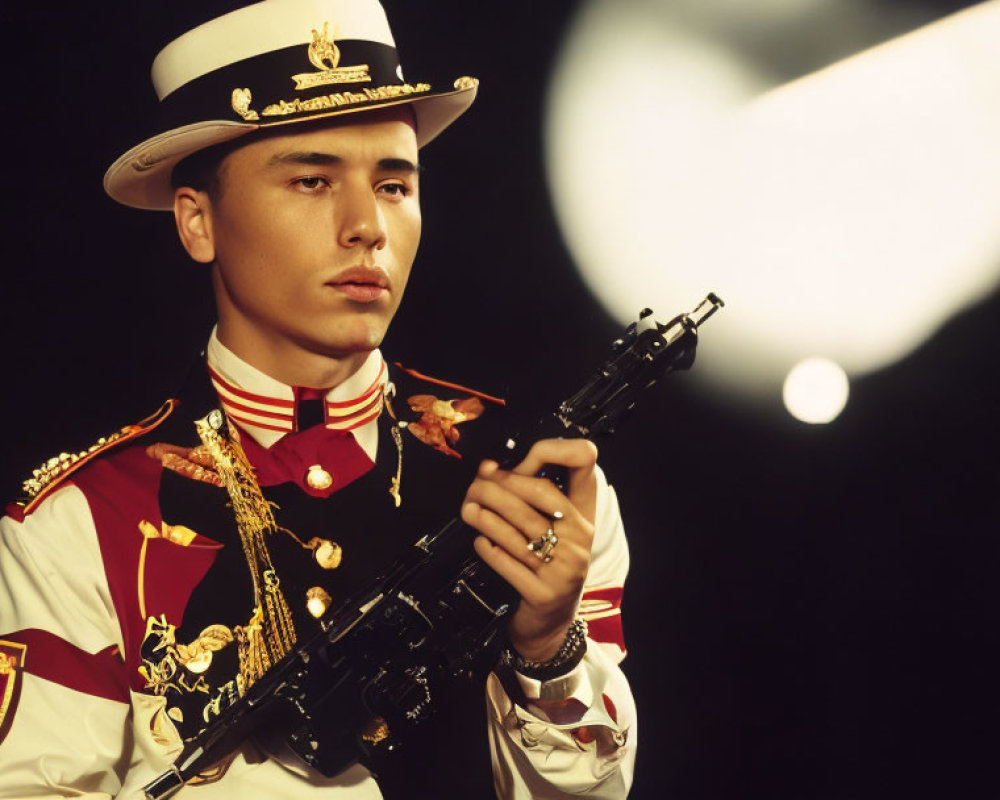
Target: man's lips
[362, 284]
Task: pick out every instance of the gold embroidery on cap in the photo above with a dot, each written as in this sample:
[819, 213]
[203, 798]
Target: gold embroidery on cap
[325, 56]
[283, 107]
[323, 51]
[241, 104]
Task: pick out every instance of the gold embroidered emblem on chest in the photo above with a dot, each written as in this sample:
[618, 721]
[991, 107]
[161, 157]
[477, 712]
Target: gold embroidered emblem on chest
[180, 665]
[439, 418]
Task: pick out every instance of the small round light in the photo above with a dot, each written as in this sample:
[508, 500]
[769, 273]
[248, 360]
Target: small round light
[815, 390]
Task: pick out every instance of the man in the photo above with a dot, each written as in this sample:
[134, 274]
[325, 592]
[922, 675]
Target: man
[152, 579]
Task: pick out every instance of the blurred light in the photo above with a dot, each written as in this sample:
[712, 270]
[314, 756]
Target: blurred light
[850, 212]
[815, 390]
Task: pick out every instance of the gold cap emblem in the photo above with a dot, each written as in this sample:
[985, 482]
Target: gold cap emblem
[323, 51]
[325, 56]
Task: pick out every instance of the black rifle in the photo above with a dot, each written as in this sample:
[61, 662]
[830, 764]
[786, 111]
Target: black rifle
[438, 613]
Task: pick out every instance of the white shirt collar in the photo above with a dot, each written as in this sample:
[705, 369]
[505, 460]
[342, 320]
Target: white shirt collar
[265, 407]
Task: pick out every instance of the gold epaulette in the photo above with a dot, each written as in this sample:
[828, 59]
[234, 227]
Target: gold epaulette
[52, 473]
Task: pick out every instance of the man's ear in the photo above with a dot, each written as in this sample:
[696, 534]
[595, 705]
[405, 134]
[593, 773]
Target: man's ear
[193, 214]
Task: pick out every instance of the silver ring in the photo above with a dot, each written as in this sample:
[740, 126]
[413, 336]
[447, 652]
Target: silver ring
[543, 546]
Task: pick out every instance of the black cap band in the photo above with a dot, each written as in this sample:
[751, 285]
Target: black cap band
[279, 78]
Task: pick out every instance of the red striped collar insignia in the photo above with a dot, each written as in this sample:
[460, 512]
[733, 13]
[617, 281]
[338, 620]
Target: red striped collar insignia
[262, 410]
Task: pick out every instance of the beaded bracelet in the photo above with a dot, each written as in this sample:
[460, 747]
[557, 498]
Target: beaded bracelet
[570, 654]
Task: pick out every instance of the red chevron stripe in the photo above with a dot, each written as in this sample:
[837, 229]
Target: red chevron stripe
[100, 674]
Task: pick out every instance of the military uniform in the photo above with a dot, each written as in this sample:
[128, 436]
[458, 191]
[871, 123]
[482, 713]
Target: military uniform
[155, 577]
[128, 596]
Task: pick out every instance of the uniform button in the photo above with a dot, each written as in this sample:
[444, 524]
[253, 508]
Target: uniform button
[318, 478]
[317, 601]
[328, 554]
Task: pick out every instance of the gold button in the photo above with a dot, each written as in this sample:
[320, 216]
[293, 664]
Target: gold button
[328, 554]
[317, 601]
[200, 662]
[318, 478]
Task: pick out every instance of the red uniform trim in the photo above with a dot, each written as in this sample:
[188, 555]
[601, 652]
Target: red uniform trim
[369, 413]
[420, 376]
[607, 627]
[609, 594]
[370, 390]
[278, 415]
[361, 422]
[609, 706]
[257, 398]
[251, 423]
[607, 630]
[100, 674]
[370, 403]
[121, 491]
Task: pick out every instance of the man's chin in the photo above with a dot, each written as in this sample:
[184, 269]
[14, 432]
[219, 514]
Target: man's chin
[340, 347]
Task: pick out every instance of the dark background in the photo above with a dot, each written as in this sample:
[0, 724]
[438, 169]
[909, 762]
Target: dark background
[811, 612]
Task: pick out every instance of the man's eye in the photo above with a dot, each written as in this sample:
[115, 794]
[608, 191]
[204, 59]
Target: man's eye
[393, 189]
[311, 183]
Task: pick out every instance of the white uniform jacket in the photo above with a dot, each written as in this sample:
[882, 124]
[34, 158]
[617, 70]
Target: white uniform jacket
[84, 583]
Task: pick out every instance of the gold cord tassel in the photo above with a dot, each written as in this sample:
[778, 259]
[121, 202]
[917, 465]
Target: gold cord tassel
[270, 632]
[395, 487]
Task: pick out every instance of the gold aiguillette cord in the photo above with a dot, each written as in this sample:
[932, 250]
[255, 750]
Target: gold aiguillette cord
[270, 632]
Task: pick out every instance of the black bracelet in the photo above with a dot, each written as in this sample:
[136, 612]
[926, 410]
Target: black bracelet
[570, 654]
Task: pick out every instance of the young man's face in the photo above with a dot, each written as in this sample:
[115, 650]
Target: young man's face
[314, 235]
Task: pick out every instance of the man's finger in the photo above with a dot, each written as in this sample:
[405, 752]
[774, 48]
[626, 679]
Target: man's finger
[500, 532]
[572, 453]
[522, 504]
[517, 574]
[579, 456]
[538, 493]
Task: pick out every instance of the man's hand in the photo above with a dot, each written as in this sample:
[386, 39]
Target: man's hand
[511, 509]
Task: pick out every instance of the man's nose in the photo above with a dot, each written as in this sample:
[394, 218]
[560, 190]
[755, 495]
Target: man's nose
[362, 221]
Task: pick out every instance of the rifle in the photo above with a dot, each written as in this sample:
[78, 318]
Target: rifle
[438, 613]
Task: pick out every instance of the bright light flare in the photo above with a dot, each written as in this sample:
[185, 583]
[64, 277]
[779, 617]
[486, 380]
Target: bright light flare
[849, 213]
[816, 390]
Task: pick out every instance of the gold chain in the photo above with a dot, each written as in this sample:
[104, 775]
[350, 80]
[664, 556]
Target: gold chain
[270, 633]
